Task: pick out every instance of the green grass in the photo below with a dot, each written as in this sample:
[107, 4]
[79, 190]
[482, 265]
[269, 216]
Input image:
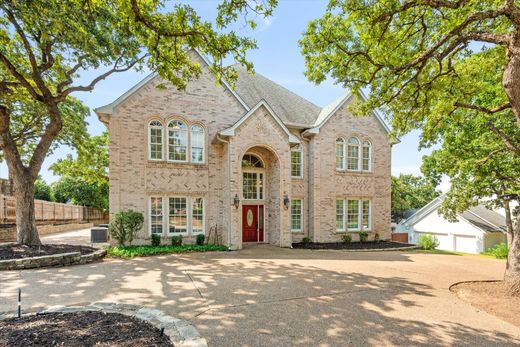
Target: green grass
[143, 251]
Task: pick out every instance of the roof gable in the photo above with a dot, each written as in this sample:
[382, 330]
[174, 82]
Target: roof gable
[262, 103]
[108, 109]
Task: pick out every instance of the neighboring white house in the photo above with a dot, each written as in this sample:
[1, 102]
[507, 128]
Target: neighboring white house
[475, 230]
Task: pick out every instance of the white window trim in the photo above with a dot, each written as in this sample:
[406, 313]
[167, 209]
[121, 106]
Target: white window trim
[203, 216]
[256, 171]
[150, 127]
[301, 216]
[369, 155]
[150, 214]
[300, 150]
[188, 136]
[359, 157]
[343, 161]
[360, 215]
[188, 214]
[336, 214]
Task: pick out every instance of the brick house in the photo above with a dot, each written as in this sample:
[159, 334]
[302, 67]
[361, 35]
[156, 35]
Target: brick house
[258, 162]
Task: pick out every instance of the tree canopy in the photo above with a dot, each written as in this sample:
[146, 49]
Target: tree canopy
[77, 191]
[46, 45]
[411, 192]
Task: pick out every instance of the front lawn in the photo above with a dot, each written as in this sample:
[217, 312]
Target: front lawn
[438, 251]
[142, 251]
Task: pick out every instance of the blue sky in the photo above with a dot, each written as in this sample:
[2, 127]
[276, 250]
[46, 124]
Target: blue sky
[277, 57]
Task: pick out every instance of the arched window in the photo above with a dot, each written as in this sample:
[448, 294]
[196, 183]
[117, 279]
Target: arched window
[197, 144]
[353, 154]
[297, 161]
[340, 154]
[155, 140]
[251, 160]
[177, 141]
[366, 164]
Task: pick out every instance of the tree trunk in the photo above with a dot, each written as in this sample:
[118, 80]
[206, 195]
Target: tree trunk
[511, 77]
[25, 213]
[512, 274]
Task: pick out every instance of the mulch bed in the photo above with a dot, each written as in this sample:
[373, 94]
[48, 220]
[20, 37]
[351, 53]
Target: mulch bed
[15, 251]
[80, 329]
[352, 245]
[492, 297]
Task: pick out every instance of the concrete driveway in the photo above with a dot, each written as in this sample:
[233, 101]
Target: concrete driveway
[266, 296]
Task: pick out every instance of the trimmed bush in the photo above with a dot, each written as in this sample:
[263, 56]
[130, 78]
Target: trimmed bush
[499, 251]
[200, 239]
[156, 240]
[363, 236]
[125, 226]
[306, 240]
[141, 251]
[347, 238]
[428, 241]
[177, 240]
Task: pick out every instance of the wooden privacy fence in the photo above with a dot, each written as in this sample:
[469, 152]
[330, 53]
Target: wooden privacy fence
[46, 211]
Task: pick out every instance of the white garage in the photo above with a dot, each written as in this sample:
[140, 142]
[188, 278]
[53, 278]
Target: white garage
[475, 230]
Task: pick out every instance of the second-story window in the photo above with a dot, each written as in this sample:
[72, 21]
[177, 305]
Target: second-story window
[197, 144]
[353, 154]
[366, 164]
[297, 162]
[340, 154]
[155, 138]
[177, 141]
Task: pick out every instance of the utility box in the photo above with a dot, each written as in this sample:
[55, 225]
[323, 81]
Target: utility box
[98, 235]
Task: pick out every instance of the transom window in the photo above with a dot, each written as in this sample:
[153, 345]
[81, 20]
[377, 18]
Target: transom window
[155, 135]
[185, 215]
[353, 214]
[353, 155]
[251, 160]
[296, 215]
[177, 141]
[297, 162]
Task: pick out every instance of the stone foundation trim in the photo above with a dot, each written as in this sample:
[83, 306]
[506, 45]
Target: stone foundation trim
[181, 333]
[63, 259]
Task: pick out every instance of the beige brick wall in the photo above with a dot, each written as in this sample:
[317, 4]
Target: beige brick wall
[134, 178]
[328, 184]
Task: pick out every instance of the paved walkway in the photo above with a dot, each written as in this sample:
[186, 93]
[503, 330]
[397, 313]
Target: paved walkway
[77, 237]
[266, 296]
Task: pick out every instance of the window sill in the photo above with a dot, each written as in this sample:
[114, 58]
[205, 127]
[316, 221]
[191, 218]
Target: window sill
[297, 231]
[297, 177]
[184, 164]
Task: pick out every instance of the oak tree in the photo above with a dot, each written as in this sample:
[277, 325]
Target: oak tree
[46, 44]
[448, 67]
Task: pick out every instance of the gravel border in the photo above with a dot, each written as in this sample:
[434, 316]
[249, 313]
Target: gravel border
[181, 333]
[63, 259]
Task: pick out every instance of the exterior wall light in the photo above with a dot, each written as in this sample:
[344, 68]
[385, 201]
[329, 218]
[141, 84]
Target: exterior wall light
[236, 201]
[286, 201]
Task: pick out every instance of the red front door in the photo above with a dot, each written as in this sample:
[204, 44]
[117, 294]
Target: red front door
[252, 223]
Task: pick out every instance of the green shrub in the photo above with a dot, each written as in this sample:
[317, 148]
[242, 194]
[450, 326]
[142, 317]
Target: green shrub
[200, 239]
[141, 251]
[363, 236]
[306, 240]
[428, 241]
[499, 251]
[347, 238]
[376, 237]
[156, 240]
[125, 226]
[177, 240]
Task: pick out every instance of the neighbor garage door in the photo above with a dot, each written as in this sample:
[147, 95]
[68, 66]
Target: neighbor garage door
[445, 240]
[466, 244]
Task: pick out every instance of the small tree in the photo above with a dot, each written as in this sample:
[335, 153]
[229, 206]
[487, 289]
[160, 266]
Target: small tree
[79, 192]
[125, 225]
[411, 192]
[42, 190]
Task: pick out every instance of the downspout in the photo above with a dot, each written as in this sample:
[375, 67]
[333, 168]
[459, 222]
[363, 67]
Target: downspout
[309, 193]
[219, 138]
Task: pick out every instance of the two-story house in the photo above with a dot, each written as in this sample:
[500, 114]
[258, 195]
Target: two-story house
[258, 162]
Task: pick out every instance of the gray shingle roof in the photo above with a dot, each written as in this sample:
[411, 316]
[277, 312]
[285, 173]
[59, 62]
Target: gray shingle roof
[485, 219]
[290, 107]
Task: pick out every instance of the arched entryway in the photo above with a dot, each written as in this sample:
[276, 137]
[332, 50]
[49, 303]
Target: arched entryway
[260, 190]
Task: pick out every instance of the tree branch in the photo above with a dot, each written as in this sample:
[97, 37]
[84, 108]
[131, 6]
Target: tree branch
[509, 144]
[482, 108]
